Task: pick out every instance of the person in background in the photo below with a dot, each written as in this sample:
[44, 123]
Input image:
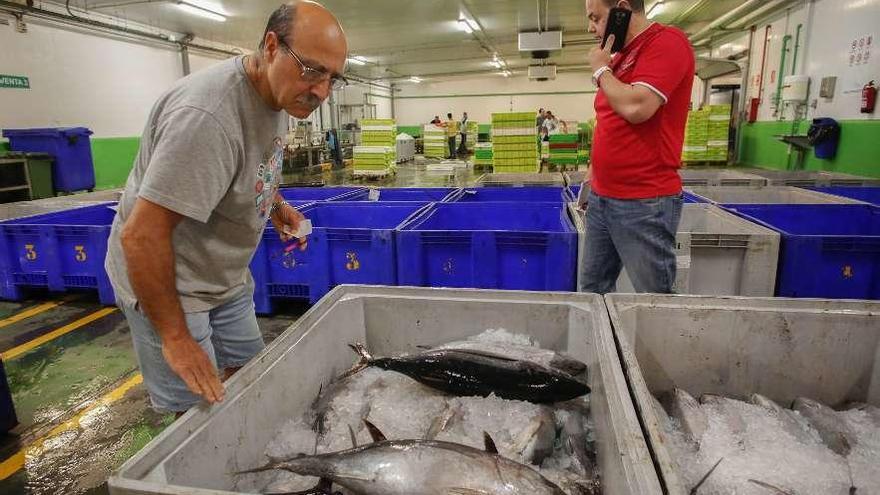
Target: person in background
[462, 131]
[641, 106]
[203, 186]
[550, 126]
[539, 120]
[436, 120]
[451, 130]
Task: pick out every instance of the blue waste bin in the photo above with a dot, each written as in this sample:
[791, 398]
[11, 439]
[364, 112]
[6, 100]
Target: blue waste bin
[824, 135]
[73, 169]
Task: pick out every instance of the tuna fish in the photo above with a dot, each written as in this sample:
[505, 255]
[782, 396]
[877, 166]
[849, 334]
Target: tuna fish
[418, 467]
[690, 414]
[537, 355]
[833, 431]
[787, 419]
[477, 373]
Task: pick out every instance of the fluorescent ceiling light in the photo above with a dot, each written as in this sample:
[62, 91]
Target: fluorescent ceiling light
[415, 79]
[505, 73]
[656, 9]
[495, 64]
[465, 26]
[190, 7]
[473, 24]
[357, 60]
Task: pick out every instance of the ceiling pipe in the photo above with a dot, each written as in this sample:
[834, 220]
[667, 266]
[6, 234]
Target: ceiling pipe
[83, 22]
[689, 12]
[722, 21]
[767, 9]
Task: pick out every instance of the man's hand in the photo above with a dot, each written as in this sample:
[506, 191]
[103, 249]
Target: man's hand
[191, 363]
[286, 221]
[600, 57]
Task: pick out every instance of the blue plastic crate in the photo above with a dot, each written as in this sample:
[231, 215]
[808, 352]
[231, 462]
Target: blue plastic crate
[827, 251]
[73, 169]
[351, 243]
[309, 194]
[866, 194]
[518, 246]
[429, 194]
[532, 194]
[59, 251]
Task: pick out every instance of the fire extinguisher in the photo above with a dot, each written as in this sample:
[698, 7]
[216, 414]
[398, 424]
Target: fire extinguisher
[869, 98]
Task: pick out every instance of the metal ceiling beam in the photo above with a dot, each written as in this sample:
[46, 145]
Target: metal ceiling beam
[124, 4]
[722, 21]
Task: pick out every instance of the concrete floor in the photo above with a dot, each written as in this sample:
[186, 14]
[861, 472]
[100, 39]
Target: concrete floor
[80, 401]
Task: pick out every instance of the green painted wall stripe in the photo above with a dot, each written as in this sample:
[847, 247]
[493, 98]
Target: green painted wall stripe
[113, 159]
[858, 152]
[484, 95]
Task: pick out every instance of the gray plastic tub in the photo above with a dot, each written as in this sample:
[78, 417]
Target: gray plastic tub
[803, 178]
[574, 178]
[718, 253]
[781, 348]
[739, 195]
[523, 179]
[717, 177]
[198, 453]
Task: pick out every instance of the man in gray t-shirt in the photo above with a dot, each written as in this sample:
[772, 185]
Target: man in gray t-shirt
[194, 208]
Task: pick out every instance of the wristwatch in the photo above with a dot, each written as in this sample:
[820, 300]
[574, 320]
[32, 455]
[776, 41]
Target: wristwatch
[598, 74]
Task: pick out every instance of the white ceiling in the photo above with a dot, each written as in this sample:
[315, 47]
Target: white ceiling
[402, 38]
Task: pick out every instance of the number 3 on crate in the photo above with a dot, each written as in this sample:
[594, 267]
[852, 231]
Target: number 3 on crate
[80, 253]
[30, 252]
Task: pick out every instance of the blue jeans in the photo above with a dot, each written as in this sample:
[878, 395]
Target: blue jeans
[451, 141]
[229, 334]
[636, 234]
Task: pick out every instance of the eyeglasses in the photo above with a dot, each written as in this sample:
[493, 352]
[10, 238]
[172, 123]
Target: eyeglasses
[312, 75]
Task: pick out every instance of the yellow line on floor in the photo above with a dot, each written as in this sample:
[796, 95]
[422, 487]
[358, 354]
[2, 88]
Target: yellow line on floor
[32, 311]
[54, 334]
[16, 462]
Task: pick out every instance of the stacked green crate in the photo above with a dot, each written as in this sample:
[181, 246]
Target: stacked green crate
[412, 130]
[718, 131]
[377, 151]
[564, 149]
[514, 139]
[483, 154]
[696, 136]
[472, 135]
[434, 141]
[585, 141]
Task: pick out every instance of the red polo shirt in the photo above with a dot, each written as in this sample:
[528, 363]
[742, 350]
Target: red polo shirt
[637, 161]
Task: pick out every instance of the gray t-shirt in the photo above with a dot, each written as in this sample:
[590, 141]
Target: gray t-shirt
[211, 151]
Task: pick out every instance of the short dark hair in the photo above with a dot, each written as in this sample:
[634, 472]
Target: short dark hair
[449, 115]
[637, 5]
[280, 23]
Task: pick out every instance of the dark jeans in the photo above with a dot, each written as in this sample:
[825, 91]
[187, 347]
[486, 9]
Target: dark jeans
[636, 234]
[462, 146]
[451, 146]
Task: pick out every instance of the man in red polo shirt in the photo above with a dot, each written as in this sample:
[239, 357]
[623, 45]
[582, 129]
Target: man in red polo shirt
[635, 191]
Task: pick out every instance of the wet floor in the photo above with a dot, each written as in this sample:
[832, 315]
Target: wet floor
[80, 402]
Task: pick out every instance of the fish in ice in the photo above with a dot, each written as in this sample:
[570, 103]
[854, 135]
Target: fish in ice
[831, 428]
[689, 414]
[786, 418]
[551, 359]
[478, 373]
[418, 467]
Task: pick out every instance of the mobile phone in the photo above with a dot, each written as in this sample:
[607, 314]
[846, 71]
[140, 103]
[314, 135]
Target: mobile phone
[618, 25]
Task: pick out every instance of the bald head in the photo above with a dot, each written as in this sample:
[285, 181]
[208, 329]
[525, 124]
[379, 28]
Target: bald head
[301, 18]
[303, 49]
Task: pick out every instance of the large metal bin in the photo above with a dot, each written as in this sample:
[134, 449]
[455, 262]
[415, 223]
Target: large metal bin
[804, 178]
[521, 179]
[718, 253]
[719, 177]
[780, 348]
[199, 453]
[739, 195]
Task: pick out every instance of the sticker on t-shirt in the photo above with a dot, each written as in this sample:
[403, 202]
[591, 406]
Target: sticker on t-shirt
[269, 177]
